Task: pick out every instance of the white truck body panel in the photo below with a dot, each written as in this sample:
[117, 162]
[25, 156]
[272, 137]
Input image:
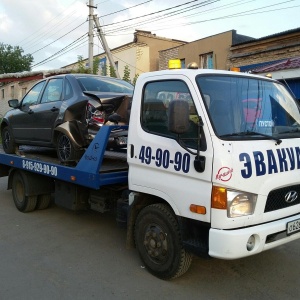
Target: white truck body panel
[228, 164]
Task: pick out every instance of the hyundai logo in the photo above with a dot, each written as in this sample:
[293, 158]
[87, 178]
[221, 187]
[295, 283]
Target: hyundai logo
[291, 196]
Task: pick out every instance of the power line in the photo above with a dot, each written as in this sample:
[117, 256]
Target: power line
[183, 10]
[153, 13]
[113, 13]
[63, 49]
[44, 26]
[164, 16]
[59, 37]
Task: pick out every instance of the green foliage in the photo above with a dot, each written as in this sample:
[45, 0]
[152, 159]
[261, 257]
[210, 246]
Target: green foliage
[12, 59]
[135, 79]
[96, 65]
[112, 72]
[126, 75]
[81, 66]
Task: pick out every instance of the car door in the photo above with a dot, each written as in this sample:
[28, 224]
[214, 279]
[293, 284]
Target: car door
[23, 120]
[47, 110]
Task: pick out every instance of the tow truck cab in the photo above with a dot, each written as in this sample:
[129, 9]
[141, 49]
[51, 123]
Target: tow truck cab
[221, 149]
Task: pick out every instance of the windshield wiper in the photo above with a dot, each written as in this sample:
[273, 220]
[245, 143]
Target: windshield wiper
[245, 133]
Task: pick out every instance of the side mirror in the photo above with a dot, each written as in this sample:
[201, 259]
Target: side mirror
[14, 103]
[179, 116]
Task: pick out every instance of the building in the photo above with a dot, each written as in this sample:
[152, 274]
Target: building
[209, 53]
[141, 55]
[278, 54]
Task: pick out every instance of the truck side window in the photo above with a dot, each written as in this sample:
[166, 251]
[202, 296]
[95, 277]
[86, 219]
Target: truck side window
[157, 96]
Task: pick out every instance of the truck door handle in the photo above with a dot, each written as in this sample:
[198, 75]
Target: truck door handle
[54, 109]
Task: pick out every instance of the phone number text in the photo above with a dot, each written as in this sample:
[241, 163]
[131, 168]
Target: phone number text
[39, 167]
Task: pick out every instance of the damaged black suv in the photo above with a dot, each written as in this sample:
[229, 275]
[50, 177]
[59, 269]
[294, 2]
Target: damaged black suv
[66, 112]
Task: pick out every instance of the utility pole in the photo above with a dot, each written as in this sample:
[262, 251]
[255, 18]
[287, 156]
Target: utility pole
[91, 37]
[105, 46]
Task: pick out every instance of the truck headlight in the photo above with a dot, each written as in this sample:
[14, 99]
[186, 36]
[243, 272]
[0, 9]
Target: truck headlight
[240, 203]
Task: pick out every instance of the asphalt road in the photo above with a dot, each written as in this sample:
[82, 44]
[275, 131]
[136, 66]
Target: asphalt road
[57, 254]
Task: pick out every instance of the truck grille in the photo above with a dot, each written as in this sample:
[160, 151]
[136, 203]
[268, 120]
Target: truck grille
[276, 199]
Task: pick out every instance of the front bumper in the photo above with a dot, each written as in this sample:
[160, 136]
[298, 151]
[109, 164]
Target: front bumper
[232, 244]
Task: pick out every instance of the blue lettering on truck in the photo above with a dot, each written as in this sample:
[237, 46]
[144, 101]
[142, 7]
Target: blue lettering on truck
[270, 162]
[163, 159]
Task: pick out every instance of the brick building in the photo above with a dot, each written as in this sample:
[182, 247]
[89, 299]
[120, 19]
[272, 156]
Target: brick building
[278, 54]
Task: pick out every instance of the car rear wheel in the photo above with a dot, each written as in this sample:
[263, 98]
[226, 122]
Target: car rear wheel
[65, 149]
[8, 142]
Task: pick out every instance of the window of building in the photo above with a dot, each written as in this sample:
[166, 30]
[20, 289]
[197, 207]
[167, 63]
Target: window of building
[24, 90]
[182, 63]
[207, 61]
[2, 93]
[12, 91]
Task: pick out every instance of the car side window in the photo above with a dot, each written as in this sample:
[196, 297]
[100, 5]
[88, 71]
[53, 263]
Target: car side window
[53, 90]
[156, 99]
[32, 96]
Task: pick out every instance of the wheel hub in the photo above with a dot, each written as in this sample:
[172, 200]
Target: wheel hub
[155, 242]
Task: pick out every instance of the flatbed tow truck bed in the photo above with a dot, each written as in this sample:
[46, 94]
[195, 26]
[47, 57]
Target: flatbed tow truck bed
[96, 168]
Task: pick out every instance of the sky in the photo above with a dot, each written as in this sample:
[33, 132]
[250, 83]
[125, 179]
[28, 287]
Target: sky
[54, 32]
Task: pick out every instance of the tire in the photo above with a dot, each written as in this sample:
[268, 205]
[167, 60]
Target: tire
[158, 241]
[8, 142]
[43, 201]
[65, 149]
[23, 203]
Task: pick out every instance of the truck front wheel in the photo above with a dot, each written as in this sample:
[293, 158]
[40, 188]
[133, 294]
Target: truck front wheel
[158, 240]
[23, 203]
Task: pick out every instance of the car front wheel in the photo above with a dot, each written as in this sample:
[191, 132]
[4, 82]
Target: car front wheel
[8, 142]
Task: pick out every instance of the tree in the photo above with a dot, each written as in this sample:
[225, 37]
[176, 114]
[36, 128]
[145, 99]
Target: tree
[135, 79]
[81, 66]
[12, 59]
[126, 76]
[96, 65]
[112, 72]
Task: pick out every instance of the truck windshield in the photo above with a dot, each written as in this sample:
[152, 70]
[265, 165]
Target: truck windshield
[245, 108]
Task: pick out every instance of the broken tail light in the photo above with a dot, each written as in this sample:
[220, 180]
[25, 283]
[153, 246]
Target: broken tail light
[94, 116]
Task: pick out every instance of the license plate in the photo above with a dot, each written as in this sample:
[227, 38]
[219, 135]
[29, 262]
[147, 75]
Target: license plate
[293, 227]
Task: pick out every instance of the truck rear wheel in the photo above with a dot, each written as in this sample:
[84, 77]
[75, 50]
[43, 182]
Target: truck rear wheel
[158, 240]
[23, 203]
[43, 201]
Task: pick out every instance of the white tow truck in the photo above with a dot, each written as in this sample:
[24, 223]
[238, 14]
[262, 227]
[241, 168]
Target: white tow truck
[212, 168]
